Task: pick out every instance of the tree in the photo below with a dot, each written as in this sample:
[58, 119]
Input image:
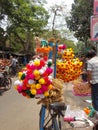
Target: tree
[25, 19]
[79, 19]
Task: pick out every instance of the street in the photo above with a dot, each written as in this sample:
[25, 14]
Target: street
[19, 113]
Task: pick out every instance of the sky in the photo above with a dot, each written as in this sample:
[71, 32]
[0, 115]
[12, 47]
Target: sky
[66, 10]
[53, 2]
[60, 21]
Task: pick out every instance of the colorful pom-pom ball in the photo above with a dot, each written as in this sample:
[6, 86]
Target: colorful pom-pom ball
[38, 86]
[33, 91]
[46, 94]
[41, 81]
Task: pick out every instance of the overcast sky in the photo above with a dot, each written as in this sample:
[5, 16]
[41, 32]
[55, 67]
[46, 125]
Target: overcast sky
[66, 10]
[53, 2]
[68, 3]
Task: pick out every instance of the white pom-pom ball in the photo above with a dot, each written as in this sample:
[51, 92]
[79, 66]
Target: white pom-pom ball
[17, 82]
[30, 81]
[41, 71]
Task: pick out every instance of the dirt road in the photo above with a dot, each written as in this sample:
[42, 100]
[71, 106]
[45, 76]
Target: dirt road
[20, 113]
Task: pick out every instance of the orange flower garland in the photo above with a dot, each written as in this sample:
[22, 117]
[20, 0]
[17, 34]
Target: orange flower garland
[45, 49]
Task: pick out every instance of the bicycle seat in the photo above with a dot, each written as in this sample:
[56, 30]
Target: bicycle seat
[58, 106]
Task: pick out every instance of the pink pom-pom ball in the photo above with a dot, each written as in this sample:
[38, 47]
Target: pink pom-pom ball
[39, 67]
[39, 91]
[49, 70]
[33, 67]
[31, 76]
[19, 88]
[44, 88]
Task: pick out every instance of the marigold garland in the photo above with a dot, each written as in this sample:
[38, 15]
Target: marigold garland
[44, 49]
[69, 68]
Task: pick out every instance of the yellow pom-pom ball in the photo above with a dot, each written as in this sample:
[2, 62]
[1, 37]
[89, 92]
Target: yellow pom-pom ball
[42, 81]
[50, 86]
[36, 62]
[33, 91]
[20, 74]
[36, 72]
[38, 86]
[46, 94]
[37, 77]
[33, 86]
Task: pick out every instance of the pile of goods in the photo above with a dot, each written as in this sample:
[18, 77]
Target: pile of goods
[81, 88]
[70, 67]
[35, 80]
[4, 63]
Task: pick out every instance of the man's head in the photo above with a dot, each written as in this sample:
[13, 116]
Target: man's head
[91, 54]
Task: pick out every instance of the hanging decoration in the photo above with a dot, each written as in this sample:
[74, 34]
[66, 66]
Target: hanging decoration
[35, 80]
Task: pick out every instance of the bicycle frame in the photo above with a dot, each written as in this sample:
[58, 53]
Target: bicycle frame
[55, 112]
[42, 114]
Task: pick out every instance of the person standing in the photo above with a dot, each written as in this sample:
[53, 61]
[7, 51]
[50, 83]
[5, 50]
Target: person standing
[13, 64]
[92, 76]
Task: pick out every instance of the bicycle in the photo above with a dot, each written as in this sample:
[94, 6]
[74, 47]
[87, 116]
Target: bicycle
[6, 81]
[53, 120]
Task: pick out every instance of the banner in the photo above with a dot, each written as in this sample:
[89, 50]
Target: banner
[95, 7]
[94, 28]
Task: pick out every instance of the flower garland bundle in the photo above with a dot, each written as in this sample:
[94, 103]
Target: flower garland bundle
[45, 49]
[69, 68]
[35, 79]
[68, 54]
[61, 48]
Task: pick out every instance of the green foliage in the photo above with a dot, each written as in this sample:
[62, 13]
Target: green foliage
[25, 19]
[79, 19]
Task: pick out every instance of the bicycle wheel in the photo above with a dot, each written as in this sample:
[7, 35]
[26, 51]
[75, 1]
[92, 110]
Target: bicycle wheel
[8, 83]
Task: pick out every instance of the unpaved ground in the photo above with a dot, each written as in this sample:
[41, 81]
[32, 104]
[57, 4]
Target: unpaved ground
[20, 113]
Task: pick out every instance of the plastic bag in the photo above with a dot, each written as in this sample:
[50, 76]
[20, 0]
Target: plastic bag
[78, 125]
[75, 113]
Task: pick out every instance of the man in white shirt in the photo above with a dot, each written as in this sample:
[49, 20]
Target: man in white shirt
[92, 72]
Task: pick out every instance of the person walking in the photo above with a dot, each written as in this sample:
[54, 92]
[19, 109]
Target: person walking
[92, 76]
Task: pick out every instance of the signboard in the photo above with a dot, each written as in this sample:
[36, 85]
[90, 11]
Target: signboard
[94, 28]
[95, 7]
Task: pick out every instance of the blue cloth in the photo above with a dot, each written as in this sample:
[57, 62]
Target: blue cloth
[94, 94]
